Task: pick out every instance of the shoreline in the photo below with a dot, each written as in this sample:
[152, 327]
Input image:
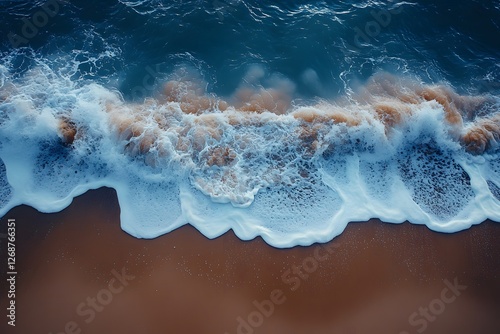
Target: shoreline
[373, 278]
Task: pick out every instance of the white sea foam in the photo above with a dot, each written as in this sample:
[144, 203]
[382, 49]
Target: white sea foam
[296, 175]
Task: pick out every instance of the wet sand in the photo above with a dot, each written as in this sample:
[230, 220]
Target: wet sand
[78, 272]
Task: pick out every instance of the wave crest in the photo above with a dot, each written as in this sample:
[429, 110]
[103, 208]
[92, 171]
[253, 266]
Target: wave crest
[260, 161]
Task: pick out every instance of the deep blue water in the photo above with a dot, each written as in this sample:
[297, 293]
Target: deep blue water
[118, 43]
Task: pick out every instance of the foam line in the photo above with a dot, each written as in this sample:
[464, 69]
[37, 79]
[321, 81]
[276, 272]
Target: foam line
[254, 162]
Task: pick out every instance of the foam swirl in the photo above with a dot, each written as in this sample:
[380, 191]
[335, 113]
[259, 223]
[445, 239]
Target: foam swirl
[257, 162]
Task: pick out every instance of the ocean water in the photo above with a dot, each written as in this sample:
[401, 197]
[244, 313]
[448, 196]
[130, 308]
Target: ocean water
[280, 119]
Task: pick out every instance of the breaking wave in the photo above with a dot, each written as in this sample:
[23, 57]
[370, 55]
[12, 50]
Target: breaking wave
[261, 161]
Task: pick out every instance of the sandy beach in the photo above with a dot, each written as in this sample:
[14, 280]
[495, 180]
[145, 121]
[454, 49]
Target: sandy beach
[78, 272]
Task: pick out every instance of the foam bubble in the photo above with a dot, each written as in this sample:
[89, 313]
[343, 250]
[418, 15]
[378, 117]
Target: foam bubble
[438, 184]
[254, 161]
[5, 188]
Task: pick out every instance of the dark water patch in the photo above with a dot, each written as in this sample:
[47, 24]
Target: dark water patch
[437, 183]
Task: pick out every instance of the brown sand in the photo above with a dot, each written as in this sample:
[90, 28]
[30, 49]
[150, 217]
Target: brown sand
[376, 277]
